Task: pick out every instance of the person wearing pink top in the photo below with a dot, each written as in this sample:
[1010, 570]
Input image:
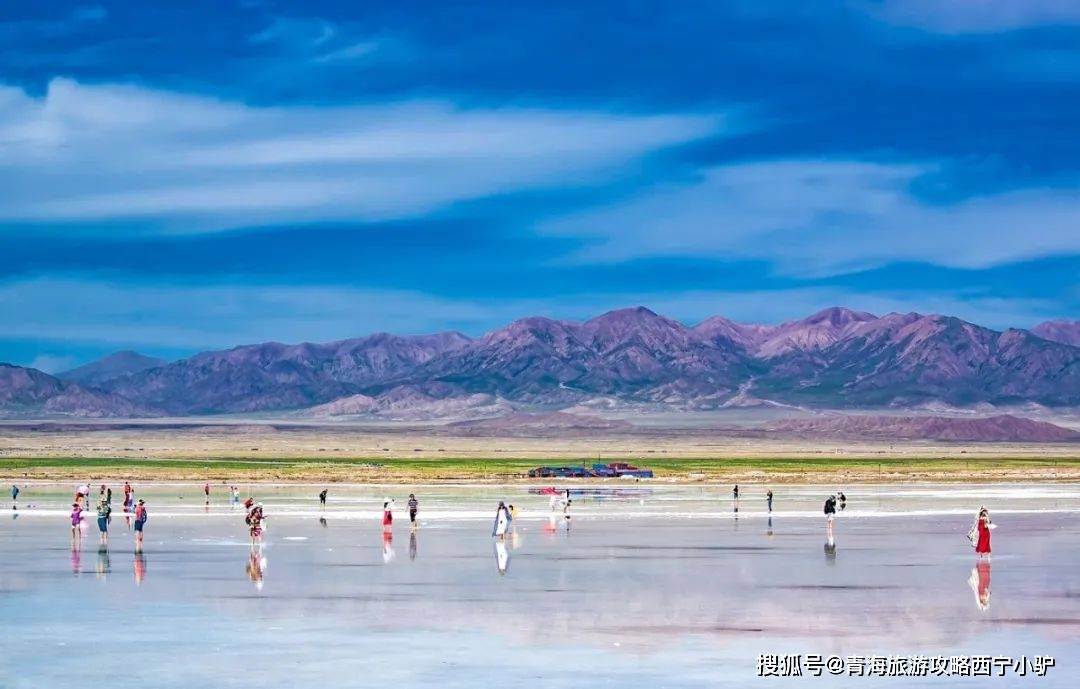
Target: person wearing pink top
[76, 523]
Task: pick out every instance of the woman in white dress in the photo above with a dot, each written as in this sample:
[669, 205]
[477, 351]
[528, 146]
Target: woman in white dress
[502, 521]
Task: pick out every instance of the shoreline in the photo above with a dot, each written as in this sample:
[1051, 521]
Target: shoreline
[476, 471]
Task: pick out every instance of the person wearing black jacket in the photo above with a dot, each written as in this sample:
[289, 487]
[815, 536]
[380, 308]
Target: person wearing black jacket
[830, 508]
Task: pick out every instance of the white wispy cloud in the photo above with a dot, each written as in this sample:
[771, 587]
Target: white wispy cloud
[112, 152]
[820, 217]
[975, 16]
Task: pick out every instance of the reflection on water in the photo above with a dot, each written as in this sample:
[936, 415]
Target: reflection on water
[256, 566]
[675, 600]
[387, 546]
[830, 546]
[103, 565]
[502, 556]
[979, 581]
[139, 564]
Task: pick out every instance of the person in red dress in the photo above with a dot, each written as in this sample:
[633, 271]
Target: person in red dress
[982, 547]
[388, 514]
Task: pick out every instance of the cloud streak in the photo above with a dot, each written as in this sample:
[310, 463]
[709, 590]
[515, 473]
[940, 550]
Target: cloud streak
[185, 163]
[826, 217]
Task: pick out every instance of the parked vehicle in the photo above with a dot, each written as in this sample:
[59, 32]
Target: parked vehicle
[613, 470]
[560, 472]
[624, 469]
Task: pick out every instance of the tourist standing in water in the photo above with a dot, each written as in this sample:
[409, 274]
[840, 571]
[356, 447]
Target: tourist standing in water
[388, 514]
[830, 509]
[414, 505]
[843, 501]
[735, 493]
[322, 497]
[103, 513]
[14, 493]
[127, 496]
[76, 523]
[983, 525]
[140, 523]
[768, 500]
[502, 521]
[235, 495]
[255, 523]
[206, 490]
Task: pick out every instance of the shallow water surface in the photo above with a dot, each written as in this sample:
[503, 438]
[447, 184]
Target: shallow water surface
[643, 586]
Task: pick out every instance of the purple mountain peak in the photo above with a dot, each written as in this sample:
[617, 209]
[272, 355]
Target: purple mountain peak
[835, 358]
[838, 316]
[1065, 332]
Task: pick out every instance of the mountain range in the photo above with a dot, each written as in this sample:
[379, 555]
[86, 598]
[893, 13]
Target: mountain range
[837, 358]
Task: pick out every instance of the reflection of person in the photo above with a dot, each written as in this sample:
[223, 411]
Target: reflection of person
[140, 567]
[387, 546]
[255, 565]
[830, 547]
[983, 525]
[979, 581]
[412, 545]
[103, 566]
[502, 521]
[502, 557]
[769, 531]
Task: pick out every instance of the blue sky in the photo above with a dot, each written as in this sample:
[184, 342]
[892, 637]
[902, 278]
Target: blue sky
[192, 175]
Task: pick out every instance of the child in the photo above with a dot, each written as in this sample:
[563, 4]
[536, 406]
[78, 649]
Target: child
[76, 522]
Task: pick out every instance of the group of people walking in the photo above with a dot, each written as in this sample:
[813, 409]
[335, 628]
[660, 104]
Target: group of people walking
[104, 513]
[255, 517]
